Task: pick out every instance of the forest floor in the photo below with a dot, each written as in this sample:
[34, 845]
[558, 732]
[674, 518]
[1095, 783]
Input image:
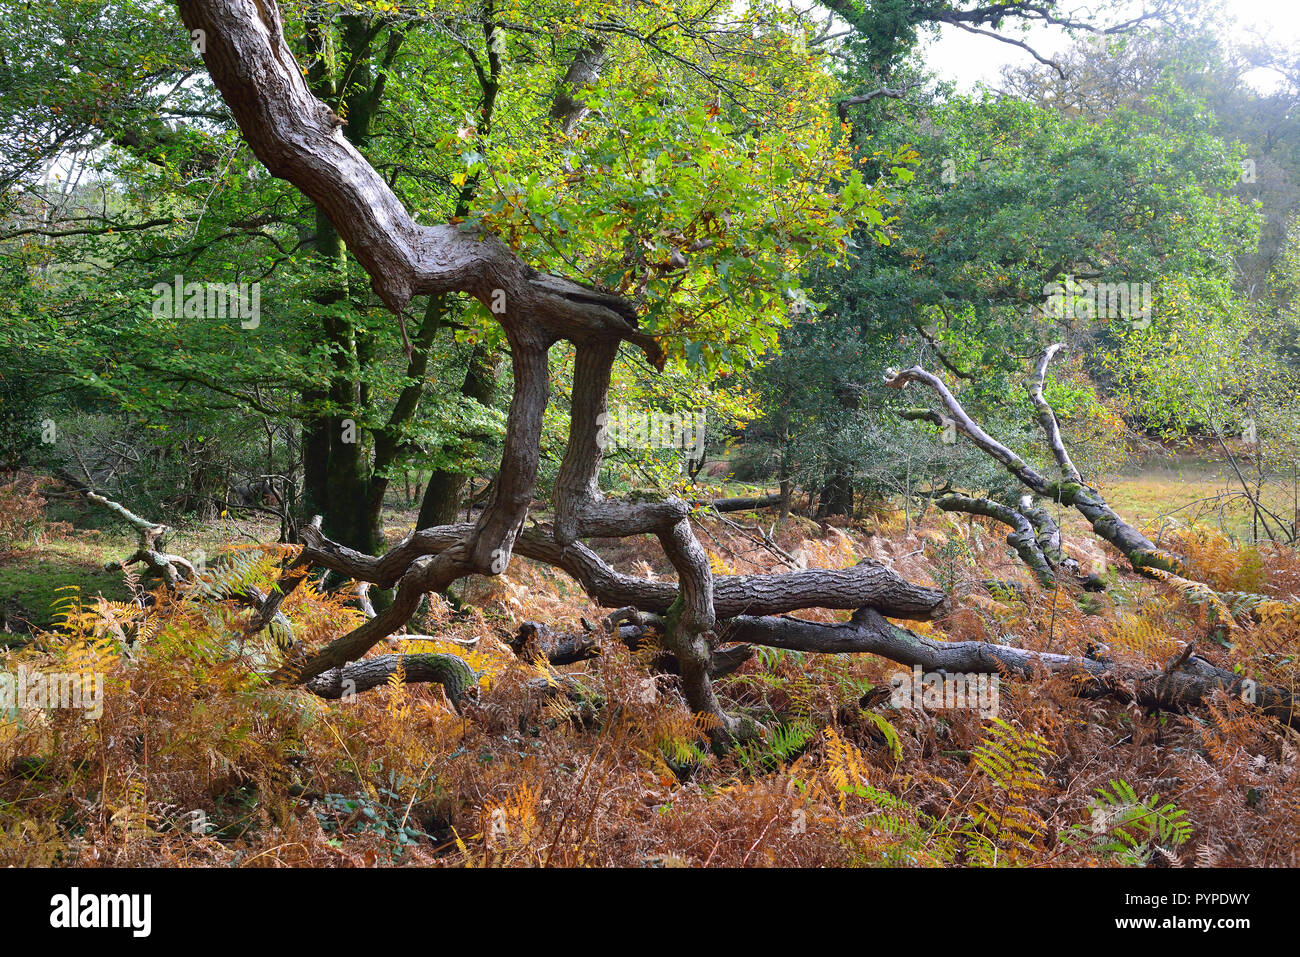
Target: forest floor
[197, 760]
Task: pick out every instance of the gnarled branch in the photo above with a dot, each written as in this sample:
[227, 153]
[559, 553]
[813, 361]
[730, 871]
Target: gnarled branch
[1070, 491]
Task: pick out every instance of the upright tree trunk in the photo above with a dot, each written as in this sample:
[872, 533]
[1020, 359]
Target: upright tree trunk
[783, 473]
[338, 472]
[837, 494]
[446, 488]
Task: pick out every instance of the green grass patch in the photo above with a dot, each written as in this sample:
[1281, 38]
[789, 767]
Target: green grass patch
[1191, 492]
[31, 579]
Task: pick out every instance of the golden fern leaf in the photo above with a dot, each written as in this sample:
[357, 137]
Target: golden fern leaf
[1009, 758]
[1143, 637]
[846, 768]
[1199, 593]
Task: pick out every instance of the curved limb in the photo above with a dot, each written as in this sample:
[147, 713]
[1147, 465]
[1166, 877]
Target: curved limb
[1047, 416]
[455, 676]
[1106, 523]
[1187, 681]
[1023, 538]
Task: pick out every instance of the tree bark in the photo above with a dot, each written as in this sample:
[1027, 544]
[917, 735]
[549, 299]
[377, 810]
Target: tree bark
[450, 671]
[742, 503]
[298, 139]
[1188, 681]
[1069, 491]
[1023, 537]
[837, 494]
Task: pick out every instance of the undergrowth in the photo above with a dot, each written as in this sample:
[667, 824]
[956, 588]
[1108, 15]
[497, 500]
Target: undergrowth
[198, 759]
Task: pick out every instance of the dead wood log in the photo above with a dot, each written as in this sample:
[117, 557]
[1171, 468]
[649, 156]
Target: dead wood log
[534, 639]
[450, 671]
[741, 503]
[151, 537]
[1185, 683]
[1070, 490]
[866, 584]
[1023, 537]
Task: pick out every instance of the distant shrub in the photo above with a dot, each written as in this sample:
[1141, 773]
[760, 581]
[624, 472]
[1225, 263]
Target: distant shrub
[22, 513]
[754, 463]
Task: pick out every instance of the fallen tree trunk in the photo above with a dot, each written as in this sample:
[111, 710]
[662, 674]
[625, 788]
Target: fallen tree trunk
[1070, 490]
[177, 571]
[1023, 537]
[1186, 682]
[865, 584]
[1189, 681]
[534, 639]
[450, 671]
[151, 537]
[739, 504]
